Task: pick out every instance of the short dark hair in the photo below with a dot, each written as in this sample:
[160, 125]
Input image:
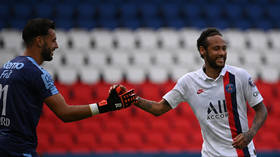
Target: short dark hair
[36, 27]
[202, 40]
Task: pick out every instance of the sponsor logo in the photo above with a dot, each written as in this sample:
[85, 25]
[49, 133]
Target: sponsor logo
[217, 111]
[255, 94]
[15, 65]
[230, 88]
[199, 91]
[251, 82]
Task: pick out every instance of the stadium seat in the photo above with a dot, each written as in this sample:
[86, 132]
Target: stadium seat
[154, 142]
[236, 38]
[107, 11]
[132, 141]
[252, 58]
[86, 10]
[102, 38]
[109, 141]
[22, 10]
[67, 75]
[177, 72]
[148, 10]
[157, 74]
[61, 142]
[5, 11]
[83, 93]
[135, 74]
[191, 11]
[62, 39]
[124, 38]
[189, 59]
[142, 58]
[272, 58]
[128, 11]
[257, 39]
[112, 74]
[147, 38]
[43, 10]
[212, 11]
[74, 58]
[89, 75]
[97, 58]
[270, 74]
[178, 142]
[169, 38]
[273, 37]
[233, 58]
[64, 11]
[120, 59]
[78, 35]
[86, 140]
[169, 10]
[233, 11]
[189, 37]
[5, 57]
[254, 12]
[12, 39]
[164, 59]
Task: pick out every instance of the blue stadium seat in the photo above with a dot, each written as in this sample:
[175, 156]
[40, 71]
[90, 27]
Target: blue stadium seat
[191, 11]
[264, 24]
[128, 10]
[64, 23]
[43, 10]
[198, 23]
[169, 10]
[64, 10]
[133, 23]
[219, 23]
[149, 10]
[253, 11]
[273, 12]
[22, 10]
[233, 11]
[4, 12]
[242, 24]
[87, 10]
[176, 23]
[108, 23]
[17, 23]
[107, 10]
[154, 23]
[212, 11]
[86, 23]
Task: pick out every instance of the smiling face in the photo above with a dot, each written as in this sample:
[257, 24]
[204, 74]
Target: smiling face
[215, 54]
[49, 46]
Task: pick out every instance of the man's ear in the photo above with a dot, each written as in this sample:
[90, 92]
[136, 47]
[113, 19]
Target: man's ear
[39, 41]
[202, 50]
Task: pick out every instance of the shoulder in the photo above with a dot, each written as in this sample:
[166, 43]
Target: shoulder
[240, 73]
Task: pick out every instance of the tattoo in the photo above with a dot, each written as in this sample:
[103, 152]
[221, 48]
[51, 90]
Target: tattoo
[153, 107]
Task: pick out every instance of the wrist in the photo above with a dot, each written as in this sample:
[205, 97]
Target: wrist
[94, 109]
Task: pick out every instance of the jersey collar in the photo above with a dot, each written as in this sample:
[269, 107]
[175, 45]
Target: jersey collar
[203, 76]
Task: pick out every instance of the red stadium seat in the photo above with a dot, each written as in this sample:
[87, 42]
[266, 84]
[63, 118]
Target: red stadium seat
[131, 141]
[86, 141]
[178, 142]
[62, 141]
[155, 141]
[83, 93]
[109, 142]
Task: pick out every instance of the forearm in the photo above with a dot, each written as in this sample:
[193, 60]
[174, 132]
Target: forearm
[153, 107]
[259, 119]
[75, 113]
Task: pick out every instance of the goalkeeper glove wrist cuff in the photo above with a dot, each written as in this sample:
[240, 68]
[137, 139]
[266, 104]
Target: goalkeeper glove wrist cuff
[94, 109]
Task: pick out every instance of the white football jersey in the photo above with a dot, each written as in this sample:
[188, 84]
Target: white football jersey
[220, 107]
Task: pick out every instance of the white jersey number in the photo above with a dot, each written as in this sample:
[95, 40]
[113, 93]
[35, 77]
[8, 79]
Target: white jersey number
[3, 95]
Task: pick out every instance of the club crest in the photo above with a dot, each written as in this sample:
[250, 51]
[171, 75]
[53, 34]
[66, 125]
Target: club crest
[251, 82]
[230, 88]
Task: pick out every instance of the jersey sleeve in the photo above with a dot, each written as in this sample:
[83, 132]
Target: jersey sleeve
[251, 92]
[175, 96]
[44, 84]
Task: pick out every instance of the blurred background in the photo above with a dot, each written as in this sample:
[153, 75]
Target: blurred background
[146, 45]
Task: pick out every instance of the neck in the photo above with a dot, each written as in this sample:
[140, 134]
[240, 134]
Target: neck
[33, 53]
[212, 72]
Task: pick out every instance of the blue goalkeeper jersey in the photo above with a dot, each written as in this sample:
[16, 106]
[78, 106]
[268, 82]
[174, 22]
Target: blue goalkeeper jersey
[23, 87]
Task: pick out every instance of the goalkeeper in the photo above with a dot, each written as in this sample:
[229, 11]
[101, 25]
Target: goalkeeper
[25, 86]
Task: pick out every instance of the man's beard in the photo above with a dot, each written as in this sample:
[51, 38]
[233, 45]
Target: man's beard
[212, 62]
[46, 53]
